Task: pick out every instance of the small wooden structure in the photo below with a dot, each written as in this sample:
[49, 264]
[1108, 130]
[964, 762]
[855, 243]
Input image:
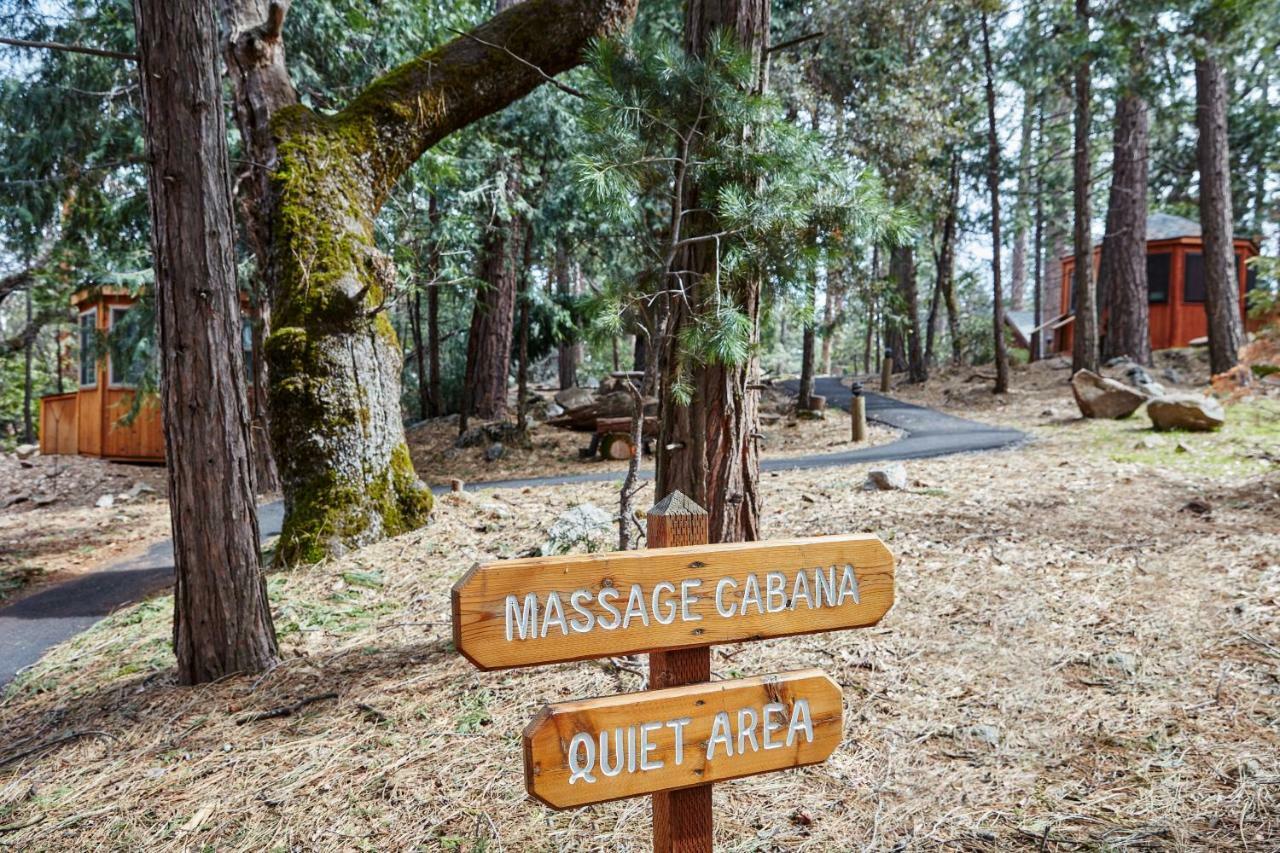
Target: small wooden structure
[88, 421]
[1175, 283]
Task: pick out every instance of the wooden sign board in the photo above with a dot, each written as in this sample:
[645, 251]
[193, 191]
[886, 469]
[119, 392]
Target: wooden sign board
[544, 610]
[594, 750]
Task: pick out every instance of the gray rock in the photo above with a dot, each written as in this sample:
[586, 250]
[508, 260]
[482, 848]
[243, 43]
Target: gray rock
[139, 488]
[105, 502]
[473, 437]
[1186, 411]
[887, 478]
[584, 528]
[575, 398]
[494, 452]
[1172, 374]
[1099, 397]
[986, 734]
[1138, 377]
[26, 451]
[554, 410]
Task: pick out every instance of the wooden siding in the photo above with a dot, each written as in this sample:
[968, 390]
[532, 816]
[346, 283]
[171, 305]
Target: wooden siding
[58, 419]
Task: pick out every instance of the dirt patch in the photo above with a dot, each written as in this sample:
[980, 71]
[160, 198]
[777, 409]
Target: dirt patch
[1081, 656]
[52, 528]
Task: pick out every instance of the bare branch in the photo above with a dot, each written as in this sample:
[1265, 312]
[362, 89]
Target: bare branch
[69, 48]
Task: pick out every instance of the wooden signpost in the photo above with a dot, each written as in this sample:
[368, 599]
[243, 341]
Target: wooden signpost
[686, 731]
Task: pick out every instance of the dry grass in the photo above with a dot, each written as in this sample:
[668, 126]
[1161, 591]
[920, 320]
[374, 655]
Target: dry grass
[1075, 662]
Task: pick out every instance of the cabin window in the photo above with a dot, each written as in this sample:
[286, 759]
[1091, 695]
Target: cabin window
[1158, 267]
[118, 368]
[1250, 277]
[89, 348]
[1193, 285]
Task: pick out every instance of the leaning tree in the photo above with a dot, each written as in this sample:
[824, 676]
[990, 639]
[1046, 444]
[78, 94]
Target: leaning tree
[318, 185]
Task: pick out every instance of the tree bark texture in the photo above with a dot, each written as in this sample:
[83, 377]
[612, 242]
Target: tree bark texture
[1018, 265]
[493, 316]
[1221, 283]
[1122, 271]
[1084, 354]
[567, 357]
[714, 459]
[222, 621]
[908, 349]
[253, 48]
[831, 308]
[333, 355]
[808, 341]
[947, 262]
[993, 184]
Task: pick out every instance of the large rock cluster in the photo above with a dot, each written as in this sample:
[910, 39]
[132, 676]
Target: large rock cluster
[1105, 397]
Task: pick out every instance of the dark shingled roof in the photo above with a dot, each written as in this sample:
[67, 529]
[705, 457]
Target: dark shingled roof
[1164, 226]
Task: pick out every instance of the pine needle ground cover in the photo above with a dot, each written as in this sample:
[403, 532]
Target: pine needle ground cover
[1084, 654]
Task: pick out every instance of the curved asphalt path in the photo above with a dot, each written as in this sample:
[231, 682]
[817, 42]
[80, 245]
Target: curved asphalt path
[34, 624]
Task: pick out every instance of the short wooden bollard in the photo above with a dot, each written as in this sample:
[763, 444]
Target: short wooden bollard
[858, 414]
[682, 820]
[886, 371]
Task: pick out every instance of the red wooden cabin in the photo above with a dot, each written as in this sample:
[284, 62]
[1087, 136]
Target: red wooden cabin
[1175, 283]
[87, 421]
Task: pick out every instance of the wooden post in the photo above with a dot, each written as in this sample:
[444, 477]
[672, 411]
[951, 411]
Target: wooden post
[858, 413]
[886, 371]
[681, 819]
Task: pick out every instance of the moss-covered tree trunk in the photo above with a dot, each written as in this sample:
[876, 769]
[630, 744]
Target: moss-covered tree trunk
[334, 359]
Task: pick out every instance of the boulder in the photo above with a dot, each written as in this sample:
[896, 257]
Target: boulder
[887, 478]
[1099, 397]
[584, 528]
[26, 451]
[1186, 411]
[494, 452]
[575, 398]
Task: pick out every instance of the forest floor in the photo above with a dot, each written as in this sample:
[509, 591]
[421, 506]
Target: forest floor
[64, 515]
[554, 451]
[1084, 654]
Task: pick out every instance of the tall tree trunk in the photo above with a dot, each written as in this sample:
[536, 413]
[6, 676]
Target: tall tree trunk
[808, 339]
[419, 351]
[905, 339]
[493, 317]
[335, 362]
[435, 403]
[808, 342]
[222, 621]
[993, 184]
[255, 59]
[1018, 270]
[1084, 355]
[947, 264]
[1222, 285]
[931, 326]
[522, 346]
[28, 422]
[831, 307]
[1037, 337]
[1122, 271]
[714, 459]
[567, 361]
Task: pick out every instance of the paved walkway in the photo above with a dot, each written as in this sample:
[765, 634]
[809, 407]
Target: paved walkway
[31, 626]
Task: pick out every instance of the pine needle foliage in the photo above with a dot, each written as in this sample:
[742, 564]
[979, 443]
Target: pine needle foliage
[659, 121]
